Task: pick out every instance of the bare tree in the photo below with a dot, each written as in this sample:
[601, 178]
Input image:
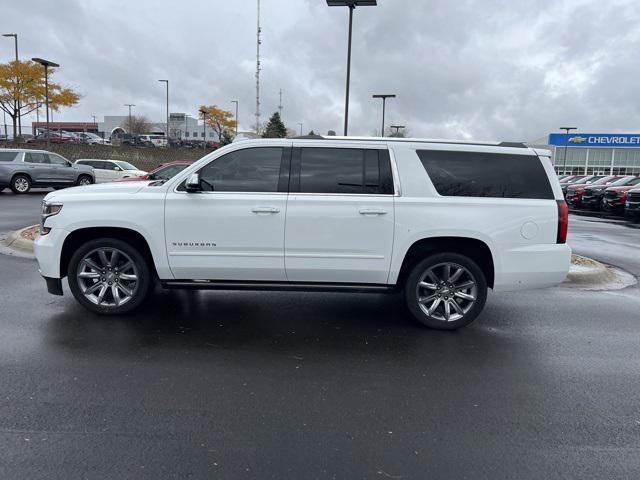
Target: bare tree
[136, 125]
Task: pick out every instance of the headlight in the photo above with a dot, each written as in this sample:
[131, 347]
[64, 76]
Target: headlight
[48, 210]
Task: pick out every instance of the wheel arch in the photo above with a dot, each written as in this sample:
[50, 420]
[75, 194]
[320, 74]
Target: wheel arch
[80, 236]
[477, 250]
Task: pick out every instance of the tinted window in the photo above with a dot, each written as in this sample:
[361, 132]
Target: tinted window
[477, 174]
[345, 170]
[57, 160]
[35, 157]
[169, 172]
[247, 170]
[8, 156]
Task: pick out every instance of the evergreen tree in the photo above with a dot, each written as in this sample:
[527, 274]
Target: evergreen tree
[275, 128]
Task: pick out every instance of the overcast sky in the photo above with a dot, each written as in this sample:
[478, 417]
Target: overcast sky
[484, 69]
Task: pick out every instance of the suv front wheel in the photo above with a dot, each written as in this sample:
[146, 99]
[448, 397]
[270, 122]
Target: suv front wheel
[108, 276]
[446, 291]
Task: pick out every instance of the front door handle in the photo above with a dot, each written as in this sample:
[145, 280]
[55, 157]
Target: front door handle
[265, 210]
[371, 211]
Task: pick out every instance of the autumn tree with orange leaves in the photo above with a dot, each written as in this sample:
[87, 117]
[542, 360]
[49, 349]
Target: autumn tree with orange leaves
[220, 121]
[22, 90]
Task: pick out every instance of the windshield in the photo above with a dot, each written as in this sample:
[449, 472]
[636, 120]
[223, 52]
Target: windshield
[602, 181]
[625, 181]
[125, 165]
[577, 179]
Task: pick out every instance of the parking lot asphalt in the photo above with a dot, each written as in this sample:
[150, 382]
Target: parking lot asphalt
[288, 385]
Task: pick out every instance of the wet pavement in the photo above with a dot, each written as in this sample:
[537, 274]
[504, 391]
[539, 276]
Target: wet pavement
[288, 385]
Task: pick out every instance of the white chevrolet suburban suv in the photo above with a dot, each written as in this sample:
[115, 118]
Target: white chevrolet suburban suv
[442, 221]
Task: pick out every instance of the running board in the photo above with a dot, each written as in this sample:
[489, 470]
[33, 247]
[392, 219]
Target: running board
[287, 286]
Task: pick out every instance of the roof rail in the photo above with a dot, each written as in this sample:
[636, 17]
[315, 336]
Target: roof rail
[412, 140]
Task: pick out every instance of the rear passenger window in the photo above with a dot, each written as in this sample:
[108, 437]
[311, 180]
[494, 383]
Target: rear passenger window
[8, 156]
[478, 174]
[345, 170]
[35, 157]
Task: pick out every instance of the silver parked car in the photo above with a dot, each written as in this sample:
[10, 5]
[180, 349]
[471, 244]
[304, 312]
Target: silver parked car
[22, 169]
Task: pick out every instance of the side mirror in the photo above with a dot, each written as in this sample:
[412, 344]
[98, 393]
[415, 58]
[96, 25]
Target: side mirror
[193, 183]
[117, 169]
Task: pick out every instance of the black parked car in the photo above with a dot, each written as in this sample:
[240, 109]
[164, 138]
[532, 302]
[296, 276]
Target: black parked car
[593, 196]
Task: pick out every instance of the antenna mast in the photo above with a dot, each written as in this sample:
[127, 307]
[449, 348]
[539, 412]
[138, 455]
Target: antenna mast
[258, 42]
[280, 104]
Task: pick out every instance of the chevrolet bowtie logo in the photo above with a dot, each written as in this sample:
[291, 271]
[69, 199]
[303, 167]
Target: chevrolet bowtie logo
[577, 139]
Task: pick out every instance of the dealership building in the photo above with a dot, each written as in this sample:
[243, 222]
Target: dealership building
[596, 153]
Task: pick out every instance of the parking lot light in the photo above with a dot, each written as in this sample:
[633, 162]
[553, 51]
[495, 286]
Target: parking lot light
[167, 83]
[566, 143]
[46, 64]
[352, 4]
[384, 104]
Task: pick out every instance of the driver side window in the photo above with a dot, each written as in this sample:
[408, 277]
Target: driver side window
[57, 160]
[247, 170]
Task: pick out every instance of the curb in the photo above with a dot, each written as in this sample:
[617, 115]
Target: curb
[15, 243]
[588, 274]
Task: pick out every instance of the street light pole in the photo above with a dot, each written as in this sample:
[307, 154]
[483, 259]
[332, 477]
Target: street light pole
[300, 128]
[167, 83]
[384, 104]
[566, 142]
[236, 102]
[352, 4]
[46, 64]
[15, 38]
[204, 126]
[129, 105]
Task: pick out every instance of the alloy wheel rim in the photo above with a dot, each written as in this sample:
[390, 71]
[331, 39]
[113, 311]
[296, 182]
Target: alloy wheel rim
[21, 184]
[446, 291]
[107, 277]
[85, 181]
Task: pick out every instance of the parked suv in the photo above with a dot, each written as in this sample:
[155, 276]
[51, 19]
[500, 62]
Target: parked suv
[615, 197]
[22, 169]
[442, 221]
[575, 191]
[593, 195]
[632, 206]
[110, 170]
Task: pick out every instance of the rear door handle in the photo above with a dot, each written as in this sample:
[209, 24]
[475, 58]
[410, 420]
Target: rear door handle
[372, 211]
[265, 210]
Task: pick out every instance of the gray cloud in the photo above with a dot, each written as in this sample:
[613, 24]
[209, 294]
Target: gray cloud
[492, 69]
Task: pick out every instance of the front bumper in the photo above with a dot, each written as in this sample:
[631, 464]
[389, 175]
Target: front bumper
[632, 209]
[48, 249]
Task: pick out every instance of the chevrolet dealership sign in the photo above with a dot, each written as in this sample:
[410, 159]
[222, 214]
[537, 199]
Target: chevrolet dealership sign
[611, 140]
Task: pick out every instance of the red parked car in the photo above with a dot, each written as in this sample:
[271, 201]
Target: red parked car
[54, 137]
[163, 172]
[575, 192]
[615, 197]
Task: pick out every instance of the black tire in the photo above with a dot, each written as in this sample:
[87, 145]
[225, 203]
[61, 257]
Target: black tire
[140, 291]
[471, 309]
[20, 184]
[82, 178]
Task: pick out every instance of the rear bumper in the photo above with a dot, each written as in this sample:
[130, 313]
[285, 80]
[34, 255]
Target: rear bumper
[536, 266]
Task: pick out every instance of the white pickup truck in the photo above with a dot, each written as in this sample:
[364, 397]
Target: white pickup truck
[442, 221]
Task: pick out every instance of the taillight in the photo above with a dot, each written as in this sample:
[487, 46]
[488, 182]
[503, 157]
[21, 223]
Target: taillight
[563, 221]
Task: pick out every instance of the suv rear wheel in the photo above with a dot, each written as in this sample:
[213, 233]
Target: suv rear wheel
[108, 276]
[20, 184]
[446, 291]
